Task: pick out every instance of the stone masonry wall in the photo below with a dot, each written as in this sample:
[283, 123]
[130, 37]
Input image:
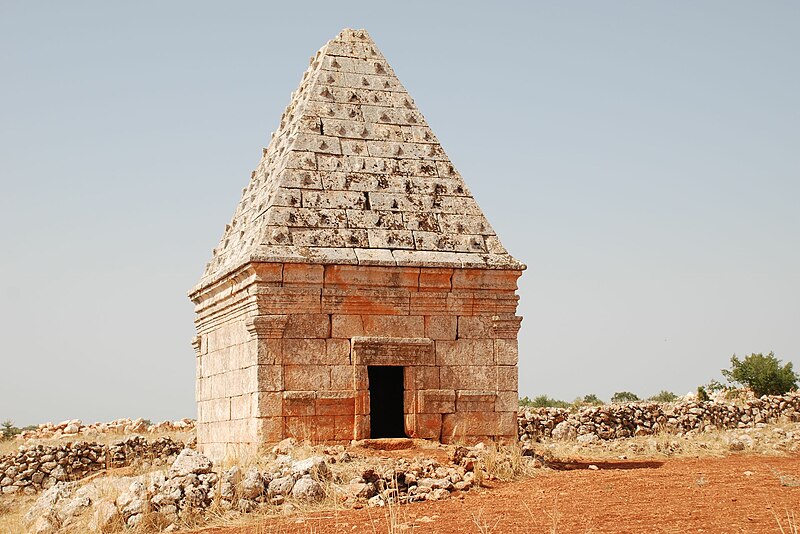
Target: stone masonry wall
[636, 419]
[284, 349]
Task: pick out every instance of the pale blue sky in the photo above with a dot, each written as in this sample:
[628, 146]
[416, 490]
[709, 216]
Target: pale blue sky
[642, 158]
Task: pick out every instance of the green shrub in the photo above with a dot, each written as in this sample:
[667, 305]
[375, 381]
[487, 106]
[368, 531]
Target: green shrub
[702, 396]
[8, 430]
[543, 401]
[663, 396]
[621, 397]
[763, 374]
[592, 400]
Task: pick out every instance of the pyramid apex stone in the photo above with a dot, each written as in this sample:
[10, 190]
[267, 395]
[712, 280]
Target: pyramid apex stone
[354, 175]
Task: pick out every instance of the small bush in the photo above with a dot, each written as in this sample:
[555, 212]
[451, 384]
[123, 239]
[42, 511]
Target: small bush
[543, 401]
[592, 400]
[763, 374]
[8, 430]
[621, 397]
[702, 395]
[663, 396]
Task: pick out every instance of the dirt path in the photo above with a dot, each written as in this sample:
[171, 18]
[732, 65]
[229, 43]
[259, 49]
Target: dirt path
[717, 495]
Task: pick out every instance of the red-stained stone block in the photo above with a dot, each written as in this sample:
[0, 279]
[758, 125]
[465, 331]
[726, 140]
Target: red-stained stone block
[465, 352]
[268, 273]
[331, 407]
[427, 426]
[506, 351]
[434, 279]
[507, 378]
[346, 326]
[441, 327]
[468, 377]
[306, 378]
[436, 401]
[307, 325]
[344, 427]
[393, 325]
[365, 302]
[295, 405]
[475, 327]
[428, 304]
[299, 274]
[485, 279]
[347, 276]
[270, 429]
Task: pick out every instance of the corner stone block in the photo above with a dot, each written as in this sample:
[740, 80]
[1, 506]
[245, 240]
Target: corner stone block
[270, 429]
[506, 351]
[507, 378]
[475, 327]
[465, 352]
[269, 351]
[242, 406]
[507, 401]
[270, 378]
[300, 274]
[268, 273]
[441, 327]
[470, 279]
[269, 404]
[317, 325]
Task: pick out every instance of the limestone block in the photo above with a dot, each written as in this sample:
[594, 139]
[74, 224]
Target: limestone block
[308, 325]
[346, 64]
[428, 303]
[506, 401]
[441, 327]
[358, 50]
[234, 382]
[468, 377]
[378, 301]
[299, 274]
[301, 428]
[387, 220]
[392, 351]
[287, 197]
[435, 279]
[301, 160]
[214, 410]
[315, 142]
[356, 147]
[329, 237]
[475, 401]
[471, 352]
[361, 402]
[400, 201]
[426, 426]
[457, 205]
[242, 406]
[346, 276]
[268, 404]
[306, 377]
[409, 401]
[393, 325]
[460, 425]
[404, 117]
[470, 279]
[449, 242]
[507, 378]
[307, 217]
[506, 351]
[277, 300]
[269, 351]
[299, 403]
[333, 110]
[304, 352]
[346, 326]
[506, 326]
[300, 178]
[475, 327]
[421, 377]
[343, 427]
[390, 239]
[324, 428]
[270, 429]
[361, 426]
[268, 273]
[423, 222]
[353, 200]
[203, 388]
[270, 378]
[375, 257]
[335, 406]
[337, 351]
[425, 258]
[436, 401]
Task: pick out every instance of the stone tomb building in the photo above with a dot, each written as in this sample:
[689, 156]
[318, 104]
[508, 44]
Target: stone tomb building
[358, 291]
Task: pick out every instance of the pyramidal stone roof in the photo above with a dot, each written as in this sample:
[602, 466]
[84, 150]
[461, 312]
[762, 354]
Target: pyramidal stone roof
[354, 175]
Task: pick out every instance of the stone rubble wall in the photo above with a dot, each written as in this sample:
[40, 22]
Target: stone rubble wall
[41, 467]
[636, 419]
[125, 426]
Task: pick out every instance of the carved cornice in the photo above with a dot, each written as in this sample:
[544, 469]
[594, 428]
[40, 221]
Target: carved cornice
[266, 326]
[505, 326]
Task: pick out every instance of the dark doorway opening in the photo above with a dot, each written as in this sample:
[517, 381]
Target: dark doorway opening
[386, 418]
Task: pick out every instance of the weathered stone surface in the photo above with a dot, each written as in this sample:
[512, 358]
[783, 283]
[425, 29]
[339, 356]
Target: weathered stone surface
[189, 461]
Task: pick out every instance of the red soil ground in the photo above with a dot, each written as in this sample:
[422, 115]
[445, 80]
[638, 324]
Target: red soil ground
[741, 493]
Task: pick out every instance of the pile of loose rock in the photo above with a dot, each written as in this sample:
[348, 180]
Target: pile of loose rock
[191, 490]
[40, 467]
[75, 427]
[637, 419]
